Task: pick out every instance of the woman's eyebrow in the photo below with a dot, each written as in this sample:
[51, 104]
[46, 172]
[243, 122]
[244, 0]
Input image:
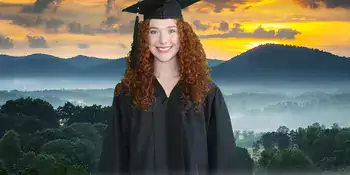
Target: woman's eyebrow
[158, 28]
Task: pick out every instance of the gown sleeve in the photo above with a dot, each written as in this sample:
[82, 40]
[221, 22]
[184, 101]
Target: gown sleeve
[221, 141]
[114, 157]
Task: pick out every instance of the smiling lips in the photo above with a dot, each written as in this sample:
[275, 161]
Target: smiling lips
[163, 49]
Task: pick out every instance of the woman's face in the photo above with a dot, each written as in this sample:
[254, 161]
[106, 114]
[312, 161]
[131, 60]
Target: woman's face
[163, 39]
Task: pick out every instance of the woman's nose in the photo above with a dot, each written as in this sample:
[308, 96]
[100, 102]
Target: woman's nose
[163, 38]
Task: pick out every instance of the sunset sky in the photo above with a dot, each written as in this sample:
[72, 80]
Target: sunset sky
[66, 28]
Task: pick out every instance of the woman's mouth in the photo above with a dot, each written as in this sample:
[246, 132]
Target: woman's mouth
[163, 49]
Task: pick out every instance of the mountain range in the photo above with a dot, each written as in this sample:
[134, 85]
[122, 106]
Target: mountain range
[43, 65]
[268, 61]
[283, 62]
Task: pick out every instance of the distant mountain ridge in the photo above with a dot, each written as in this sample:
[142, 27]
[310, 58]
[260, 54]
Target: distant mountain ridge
[82, 61]
[32, 65]
[268, 61]
[275, 61]
[48, 65]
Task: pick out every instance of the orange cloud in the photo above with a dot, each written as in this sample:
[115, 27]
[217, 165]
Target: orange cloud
[315, 4]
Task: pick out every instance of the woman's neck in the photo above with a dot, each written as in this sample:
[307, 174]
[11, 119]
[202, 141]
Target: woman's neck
[168, 69]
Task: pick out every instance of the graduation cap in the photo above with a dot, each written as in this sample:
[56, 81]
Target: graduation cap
[155, 9]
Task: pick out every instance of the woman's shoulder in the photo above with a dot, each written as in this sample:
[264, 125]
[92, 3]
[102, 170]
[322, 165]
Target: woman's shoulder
[120, 96]
[118, 88]
[213, 87]
[121, 92]
[214, 91]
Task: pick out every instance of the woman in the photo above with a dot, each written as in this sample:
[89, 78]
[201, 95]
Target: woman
[168, 116]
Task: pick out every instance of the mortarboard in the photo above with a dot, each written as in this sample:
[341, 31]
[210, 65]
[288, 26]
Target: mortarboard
[154, 9]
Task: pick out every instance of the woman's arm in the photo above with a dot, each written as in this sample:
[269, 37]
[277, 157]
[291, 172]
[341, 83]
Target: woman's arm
[221, 141]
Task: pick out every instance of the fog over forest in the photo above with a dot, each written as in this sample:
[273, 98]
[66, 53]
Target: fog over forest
[258, 106]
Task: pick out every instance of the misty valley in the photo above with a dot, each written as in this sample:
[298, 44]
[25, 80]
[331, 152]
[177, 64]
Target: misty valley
[252, 106]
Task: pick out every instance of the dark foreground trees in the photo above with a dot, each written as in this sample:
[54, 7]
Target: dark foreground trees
[37, 139]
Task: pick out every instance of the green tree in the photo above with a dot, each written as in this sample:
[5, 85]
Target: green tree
[78, 152]
[268, 140]
[77, 170]
[266, 157]
[283, 129]
[5, 123]
[87, 114]
[87, 131]
[10, 149]
[3, 170]
[100, 127]
[34, 141]
[44, 164]
[290, 160]
[25, 161]
[85, 151]
[342, 152]
[20, 123]
[38, 108]
[307, 138]
[68, 112]
[63, 150]
[244, 163]
[282, 140]
[28, 124]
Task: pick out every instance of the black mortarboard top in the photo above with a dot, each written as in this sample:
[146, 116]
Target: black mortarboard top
[155, 9]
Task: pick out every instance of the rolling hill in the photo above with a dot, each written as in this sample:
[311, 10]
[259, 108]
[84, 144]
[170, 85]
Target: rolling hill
[33, 65]
[283, 62]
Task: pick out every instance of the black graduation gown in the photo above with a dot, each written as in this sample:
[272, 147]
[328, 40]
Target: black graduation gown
[165, 140]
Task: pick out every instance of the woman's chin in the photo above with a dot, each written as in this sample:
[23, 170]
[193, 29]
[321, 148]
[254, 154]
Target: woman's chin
[164, 59]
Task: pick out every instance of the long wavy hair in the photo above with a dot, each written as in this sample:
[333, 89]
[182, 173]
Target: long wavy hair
[193, 67]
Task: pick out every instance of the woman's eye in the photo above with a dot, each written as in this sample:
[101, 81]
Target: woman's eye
[172, 31]
[153, 32]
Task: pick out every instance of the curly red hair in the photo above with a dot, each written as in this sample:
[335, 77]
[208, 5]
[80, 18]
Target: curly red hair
[193, 67]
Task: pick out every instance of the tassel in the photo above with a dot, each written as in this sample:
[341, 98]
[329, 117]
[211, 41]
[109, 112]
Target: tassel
[134, 48]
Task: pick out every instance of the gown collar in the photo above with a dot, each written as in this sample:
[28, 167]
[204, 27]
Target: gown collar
[176, 141]
[159, 92]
